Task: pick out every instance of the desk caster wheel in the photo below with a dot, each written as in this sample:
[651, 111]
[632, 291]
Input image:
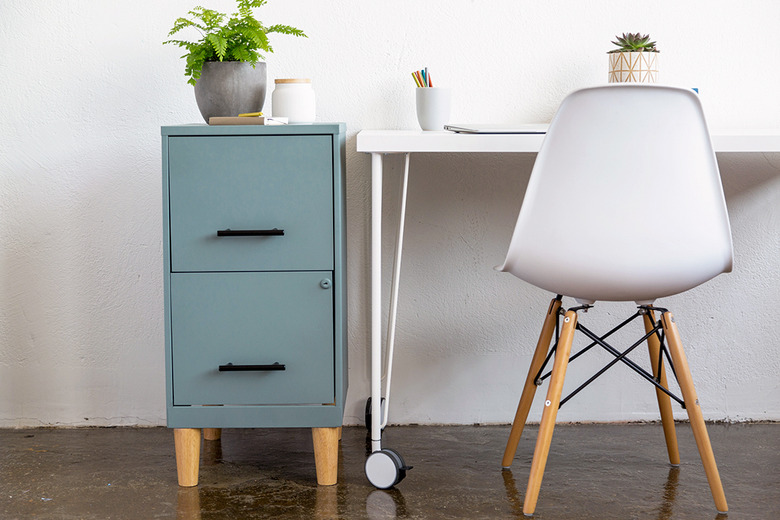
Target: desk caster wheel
[385, 468]
[368, 412]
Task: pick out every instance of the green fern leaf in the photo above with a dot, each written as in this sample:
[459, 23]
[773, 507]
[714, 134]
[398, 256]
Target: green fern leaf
[285, 29]
[255, 36]
[218, 43]
[243, 54]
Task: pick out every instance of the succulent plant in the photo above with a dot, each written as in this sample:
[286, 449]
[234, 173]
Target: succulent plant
[634, 42]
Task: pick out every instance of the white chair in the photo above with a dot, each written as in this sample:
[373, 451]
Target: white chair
[624, 204]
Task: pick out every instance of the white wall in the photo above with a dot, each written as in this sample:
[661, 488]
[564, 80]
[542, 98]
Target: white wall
[86, 85]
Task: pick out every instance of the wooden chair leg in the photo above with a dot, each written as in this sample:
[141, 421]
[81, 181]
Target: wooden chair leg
[187, 445]
[529, 389]
[326, 455]
[550, 412]
[212, 434]
[695, 416]
[664, 401]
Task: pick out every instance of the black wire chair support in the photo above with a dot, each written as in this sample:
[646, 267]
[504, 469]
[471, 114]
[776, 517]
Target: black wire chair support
[657, 331]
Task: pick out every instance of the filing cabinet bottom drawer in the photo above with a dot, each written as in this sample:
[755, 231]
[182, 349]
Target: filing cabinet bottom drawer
[252, 338]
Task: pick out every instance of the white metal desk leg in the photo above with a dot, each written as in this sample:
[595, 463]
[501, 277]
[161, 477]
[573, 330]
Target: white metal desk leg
[395, 282]
[384, 467]
[376, 301]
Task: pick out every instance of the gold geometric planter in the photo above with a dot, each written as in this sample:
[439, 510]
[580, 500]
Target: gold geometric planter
[633, 67]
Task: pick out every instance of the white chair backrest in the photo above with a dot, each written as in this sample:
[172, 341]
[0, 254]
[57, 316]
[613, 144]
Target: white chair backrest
[625, 201]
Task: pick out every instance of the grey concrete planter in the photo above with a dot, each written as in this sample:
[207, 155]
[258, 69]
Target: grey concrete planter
[229, 88]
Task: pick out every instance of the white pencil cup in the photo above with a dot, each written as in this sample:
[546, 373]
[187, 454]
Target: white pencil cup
[433, 107]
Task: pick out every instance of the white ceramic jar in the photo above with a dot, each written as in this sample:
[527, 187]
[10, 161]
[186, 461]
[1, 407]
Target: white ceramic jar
[293, 99]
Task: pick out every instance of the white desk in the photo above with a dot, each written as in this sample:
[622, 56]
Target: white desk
[380, 142]
[409, 141]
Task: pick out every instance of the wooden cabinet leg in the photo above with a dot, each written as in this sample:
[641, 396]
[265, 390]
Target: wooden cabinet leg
[664, 401]
[694, 411]
[187, 443]
[326, 454]
[212, 434]
[550, 412]
[529, 389]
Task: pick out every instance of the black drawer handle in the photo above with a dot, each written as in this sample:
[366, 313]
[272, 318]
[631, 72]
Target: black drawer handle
[230, 367]
[250, 232]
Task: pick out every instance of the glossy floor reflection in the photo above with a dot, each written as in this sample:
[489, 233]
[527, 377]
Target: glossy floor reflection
[594, 472]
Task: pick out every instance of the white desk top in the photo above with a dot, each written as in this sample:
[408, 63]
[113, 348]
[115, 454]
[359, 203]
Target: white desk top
[401, 141]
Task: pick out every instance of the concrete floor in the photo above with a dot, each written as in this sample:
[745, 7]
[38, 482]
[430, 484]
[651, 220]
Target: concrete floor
[593, 472]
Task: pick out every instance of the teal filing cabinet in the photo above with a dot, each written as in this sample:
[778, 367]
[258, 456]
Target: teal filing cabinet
[255, 296]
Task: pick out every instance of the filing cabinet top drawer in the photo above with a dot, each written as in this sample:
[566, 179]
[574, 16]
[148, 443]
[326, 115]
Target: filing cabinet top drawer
[250, 203]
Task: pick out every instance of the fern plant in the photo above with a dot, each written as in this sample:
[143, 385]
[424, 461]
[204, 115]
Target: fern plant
[240, 38]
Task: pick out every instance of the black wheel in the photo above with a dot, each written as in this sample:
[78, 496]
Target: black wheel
[368, 412]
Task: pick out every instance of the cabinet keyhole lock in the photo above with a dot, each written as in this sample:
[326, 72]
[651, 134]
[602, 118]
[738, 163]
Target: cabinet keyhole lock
[325, 283]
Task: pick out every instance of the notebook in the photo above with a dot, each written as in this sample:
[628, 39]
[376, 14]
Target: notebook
[492, 128]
